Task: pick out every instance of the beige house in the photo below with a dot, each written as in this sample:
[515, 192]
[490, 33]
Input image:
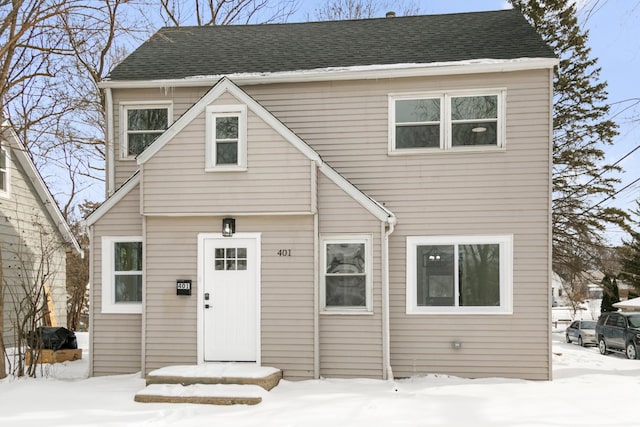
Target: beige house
[364, 198]
[34, 239]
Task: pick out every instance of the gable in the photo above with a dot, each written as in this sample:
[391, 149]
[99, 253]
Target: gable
[194, 120]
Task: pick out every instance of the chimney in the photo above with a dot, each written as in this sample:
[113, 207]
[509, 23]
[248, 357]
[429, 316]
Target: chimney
[390, 14]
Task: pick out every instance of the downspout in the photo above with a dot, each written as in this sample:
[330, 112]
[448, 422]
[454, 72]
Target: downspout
[111, 151]
[316, 271]
[92, 304]
[387, 229]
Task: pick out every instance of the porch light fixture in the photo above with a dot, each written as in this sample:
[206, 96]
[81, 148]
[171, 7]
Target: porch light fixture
[228, 227]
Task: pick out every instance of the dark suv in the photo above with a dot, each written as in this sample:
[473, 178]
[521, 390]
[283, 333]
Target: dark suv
[619, 332]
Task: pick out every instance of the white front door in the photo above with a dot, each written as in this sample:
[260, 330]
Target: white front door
[230, 299]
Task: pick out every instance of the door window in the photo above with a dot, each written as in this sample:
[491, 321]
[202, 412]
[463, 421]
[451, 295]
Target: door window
[230, 259]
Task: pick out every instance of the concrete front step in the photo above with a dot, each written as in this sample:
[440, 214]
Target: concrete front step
[212, 394]
[217, 373]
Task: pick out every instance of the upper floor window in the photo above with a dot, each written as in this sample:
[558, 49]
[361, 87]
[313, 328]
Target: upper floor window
[346, 274]
[459, 274]
[122, 274]
[4, 172]
[143, 124]
[226, 137]
[446, 121]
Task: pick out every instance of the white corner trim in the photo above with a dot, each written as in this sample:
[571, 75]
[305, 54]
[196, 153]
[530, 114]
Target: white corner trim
[111, 150]
[365, 72]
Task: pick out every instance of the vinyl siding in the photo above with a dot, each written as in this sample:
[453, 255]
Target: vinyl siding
[277, 178]
[286, 290]
[446, 194]
[28, 236]
[115, 338]
[181, 101]
[454, 193]
[350, 344]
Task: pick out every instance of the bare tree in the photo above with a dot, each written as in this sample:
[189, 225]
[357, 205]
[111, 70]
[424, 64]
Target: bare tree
[335, 10]
[225, 12]
[35, 258]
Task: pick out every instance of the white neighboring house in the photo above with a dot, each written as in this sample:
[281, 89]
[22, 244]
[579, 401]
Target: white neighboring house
[35, 237]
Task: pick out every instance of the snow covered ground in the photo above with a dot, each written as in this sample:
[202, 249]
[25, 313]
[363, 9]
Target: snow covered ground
[588, 390]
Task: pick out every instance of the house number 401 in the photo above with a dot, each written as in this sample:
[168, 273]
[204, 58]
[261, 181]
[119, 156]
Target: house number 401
[284, 252]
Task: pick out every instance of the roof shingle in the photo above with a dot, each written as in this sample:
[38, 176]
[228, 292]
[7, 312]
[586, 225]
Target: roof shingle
[176, 53]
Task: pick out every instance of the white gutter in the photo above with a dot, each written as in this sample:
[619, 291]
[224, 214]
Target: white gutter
[111, 151]
[364, 72]
[386, 328]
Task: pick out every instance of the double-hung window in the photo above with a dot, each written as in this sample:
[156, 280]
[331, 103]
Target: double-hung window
[346, 274]
[226, 138]
[458, 274]
[446, 121]
[122, 274]
[4, 172]
[143, 124]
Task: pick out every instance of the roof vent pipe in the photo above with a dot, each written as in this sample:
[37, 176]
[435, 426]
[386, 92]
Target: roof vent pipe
[390, 14]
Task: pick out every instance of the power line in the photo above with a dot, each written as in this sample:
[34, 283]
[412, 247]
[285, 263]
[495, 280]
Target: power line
[612, 195]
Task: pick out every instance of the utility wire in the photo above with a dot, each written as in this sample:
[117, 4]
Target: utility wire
[612, 195]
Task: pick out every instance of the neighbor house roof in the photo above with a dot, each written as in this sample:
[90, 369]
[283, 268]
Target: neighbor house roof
[184, 52]
[20, 153]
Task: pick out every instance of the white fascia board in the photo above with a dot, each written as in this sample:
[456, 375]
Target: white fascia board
[380, 212]
[226, 85]
[118, 195]
[364, 72]
[20, 153]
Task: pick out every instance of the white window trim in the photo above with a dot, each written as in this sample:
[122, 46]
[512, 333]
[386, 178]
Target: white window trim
[5, 193]
[506, 273]
[445, 121]
[346, 238]
[212, 112]
[138, 105]
[108, 286]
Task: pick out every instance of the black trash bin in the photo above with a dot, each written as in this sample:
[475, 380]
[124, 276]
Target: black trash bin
[52, 338]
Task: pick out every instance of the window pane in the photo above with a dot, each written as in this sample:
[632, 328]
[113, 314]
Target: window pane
[2, 181]
[474, 107]
[479, 270]
[242, 252]
[435, 275]
[231, 252]
[137, 142]
[469, 134]
[230, 264]
[345, 258]
[226, 153]
[242, 264]
[226, 127]
[3, 160]
[424, 136]
[147, 119]
[418, 110]
[128, 256]
[219, 252]
[128, 288]
[219, 264]
[346, 291]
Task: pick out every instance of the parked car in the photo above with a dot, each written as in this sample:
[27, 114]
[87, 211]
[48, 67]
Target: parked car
[619, 331]
[582, 331]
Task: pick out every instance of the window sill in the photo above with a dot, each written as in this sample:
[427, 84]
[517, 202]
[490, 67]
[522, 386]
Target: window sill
[458, 312]
[438, 151]
[122, 309]
[345, 312]
[226, 169]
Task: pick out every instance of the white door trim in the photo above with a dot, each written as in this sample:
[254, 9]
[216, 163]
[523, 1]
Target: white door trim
[200, 289]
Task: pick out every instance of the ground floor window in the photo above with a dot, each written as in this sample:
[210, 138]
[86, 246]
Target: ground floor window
[346, 275]
[122, 274]
[459, 274]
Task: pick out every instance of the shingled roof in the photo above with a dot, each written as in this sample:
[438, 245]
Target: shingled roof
[178, 53]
